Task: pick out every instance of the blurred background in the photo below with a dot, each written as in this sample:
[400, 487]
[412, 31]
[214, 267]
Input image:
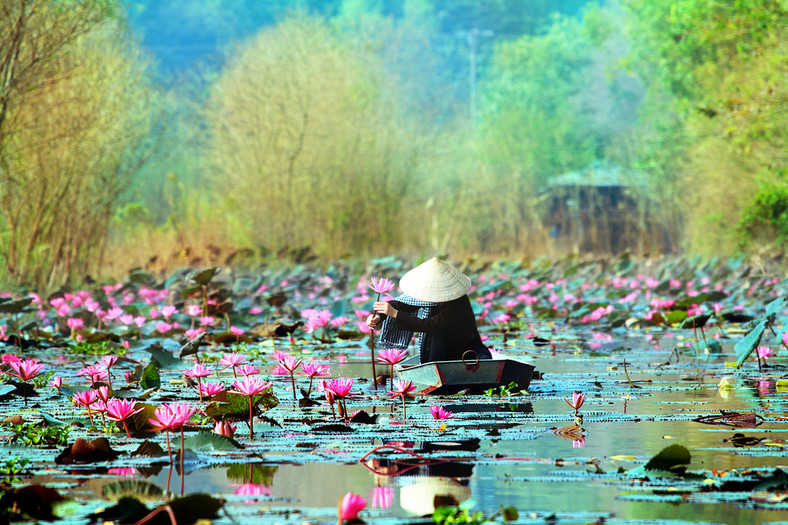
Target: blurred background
[164, 133]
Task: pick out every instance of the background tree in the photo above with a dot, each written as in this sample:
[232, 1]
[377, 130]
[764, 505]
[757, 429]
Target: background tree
[71, 142]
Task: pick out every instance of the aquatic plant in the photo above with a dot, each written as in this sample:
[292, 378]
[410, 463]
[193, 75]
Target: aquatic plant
[349, 507]
[313, 370]
[25, 370]
[340, 388]
[199, 371]
[172, 417]
[232, 360]
[403, 389]
[391, 357]
[120, 410]
[438, 412]
[379, 286]
[250, 387]
[290, 363]
[577, 401]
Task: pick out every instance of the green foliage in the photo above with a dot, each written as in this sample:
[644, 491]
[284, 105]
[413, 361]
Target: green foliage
[35, 435]
[512, 389]
[96, 348]
[462, 513]
[12, 468]
[765, 217]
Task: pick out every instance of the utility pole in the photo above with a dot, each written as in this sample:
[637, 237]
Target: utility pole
[472, 36]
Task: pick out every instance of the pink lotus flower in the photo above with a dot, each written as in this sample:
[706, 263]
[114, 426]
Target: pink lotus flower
[169, 311]
[25, 369]
[312, 371]
[391, 356]
[95, 373]
[350, 505]
[290, 363]
[199, 371]
[172, 417]
[438, 412]
[122, 409]
[764, 352]
[248, 370]
[85, 399]
[56, 383]
[340, 387]
[252, 489]
[577, 401]
[224, 428]
[380, 286]
[193, 310]
[75, 323]
[250, 387]
[210, 389]
[233, 360]
[7, 359]
[403, 389]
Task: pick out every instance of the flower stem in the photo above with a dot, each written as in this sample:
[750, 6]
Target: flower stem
[251, 419]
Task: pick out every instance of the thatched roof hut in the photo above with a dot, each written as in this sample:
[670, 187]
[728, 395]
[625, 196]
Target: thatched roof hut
[603, 208]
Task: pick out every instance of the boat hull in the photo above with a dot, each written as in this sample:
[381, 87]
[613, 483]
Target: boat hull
[449, 377]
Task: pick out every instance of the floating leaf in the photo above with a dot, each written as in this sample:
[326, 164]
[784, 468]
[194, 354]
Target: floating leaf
[211, 441]
[236, 408]
[672, 458]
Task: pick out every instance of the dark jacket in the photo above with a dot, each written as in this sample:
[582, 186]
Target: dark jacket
[451, 329]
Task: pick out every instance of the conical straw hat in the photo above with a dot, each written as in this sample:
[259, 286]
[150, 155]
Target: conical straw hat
[435, 281]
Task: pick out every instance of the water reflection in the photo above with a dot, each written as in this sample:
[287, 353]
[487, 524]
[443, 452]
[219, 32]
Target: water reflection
[251, 480]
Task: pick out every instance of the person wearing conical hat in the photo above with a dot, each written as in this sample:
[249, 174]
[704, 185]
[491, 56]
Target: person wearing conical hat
[435, 306]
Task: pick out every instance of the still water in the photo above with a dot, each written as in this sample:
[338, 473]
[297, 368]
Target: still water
[513, 450]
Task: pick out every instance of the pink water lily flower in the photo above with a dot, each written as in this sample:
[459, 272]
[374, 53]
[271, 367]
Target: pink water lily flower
[381, 286]
[250, 387]
[350, 505]
[232, 360]
[438, 412]
[403, 389]
[764, 352]
[224, 428]
[290, 363]
[312, 371]
[248, 370]
[25, 369]
[577, 401]
[120, 410]
[340, 388]
[171, 417]
[391, 356]
[211, 389]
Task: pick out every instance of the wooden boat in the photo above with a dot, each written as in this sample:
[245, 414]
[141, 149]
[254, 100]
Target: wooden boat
[476, 375]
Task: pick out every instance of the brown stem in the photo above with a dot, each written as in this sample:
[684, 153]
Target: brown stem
[292, 382]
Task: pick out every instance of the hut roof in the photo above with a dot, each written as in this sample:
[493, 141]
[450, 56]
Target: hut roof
[599, 174]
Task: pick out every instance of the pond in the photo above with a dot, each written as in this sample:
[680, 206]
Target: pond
[646, 388]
